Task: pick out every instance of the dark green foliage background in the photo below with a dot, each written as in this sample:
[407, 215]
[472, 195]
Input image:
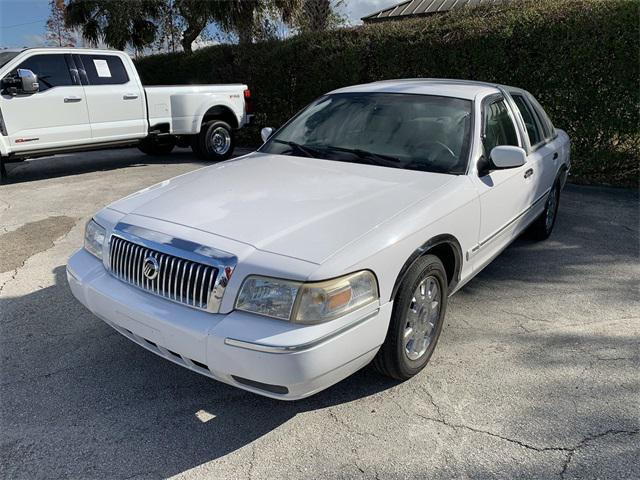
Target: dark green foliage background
[580, 58]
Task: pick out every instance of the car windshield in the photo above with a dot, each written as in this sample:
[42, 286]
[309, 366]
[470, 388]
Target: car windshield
[414, 132]
[6, 56]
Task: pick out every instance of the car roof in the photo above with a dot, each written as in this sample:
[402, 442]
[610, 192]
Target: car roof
[466, 89]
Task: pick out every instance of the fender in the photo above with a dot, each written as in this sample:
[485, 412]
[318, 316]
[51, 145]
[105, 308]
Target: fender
[425, 248]
[217, 103]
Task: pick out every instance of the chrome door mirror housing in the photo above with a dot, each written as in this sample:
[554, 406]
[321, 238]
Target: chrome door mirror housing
[506, 156]
[28, 81]
[265, 133]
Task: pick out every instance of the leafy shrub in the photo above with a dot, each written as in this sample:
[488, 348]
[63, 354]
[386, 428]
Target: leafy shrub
[580, 58]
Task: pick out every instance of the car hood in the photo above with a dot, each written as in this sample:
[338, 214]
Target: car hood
[304, 208]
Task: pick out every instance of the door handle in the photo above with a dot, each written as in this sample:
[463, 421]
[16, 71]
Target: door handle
[72, 99]
[130, 96]
[528, 173]
[555, 155]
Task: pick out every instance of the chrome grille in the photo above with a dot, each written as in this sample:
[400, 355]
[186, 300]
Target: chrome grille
[178, 279]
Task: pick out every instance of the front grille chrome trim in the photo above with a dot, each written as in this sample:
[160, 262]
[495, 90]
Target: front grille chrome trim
[190, 274]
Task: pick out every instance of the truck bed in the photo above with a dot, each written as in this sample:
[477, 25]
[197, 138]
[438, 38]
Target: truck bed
[183, 107]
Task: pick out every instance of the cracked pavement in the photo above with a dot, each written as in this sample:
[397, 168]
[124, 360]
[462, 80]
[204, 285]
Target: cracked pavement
[535, 374]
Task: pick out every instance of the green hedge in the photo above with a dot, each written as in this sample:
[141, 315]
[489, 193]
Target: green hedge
[580, 58]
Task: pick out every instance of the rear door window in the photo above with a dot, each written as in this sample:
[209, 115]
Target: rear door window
[104, 69]
[534, 132]
[52, 70]
[543, 118]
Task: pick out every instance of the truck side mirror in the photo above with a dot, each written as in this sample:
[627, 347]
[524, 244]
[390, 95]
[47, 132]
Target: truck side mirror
[28, 81]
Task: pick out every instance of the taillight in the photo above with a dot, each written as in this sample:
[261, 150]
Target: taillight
[248, 104]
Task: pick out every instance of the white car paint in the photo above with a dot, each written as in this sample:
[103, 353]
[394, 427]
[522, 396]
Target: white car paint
[310, 219]
[72, 116]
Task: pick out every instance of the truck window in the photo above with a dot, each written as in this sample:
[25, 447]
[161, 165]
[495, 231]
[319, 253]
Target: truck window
[52, 70]
[104, 70]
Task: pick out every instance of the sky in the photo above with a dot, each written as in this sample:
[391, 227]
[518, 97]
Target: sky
[22, 22]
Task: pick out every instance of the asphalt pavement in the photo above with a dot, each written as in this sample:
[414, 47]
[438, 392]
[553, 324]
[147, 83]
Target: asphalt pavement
[536, 374]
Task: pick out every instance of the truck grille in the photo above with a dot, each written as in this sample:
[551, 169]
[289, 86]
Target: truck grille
[177, 279]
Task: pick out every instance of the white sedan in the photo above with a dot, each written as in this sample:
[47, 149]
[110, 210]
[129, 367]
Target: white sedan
[336, 244]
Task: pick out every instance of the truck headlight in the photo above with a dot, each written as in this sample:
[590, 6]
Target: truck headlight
[94, 236]
[307, 303]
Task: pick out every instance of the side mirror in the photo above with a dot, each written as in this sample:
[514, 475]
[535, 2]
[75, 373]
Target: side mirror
[505, 156]
[28, 81]
[265, 133]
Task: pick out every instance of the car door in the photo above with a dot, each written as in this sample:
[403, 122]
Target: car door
[505, 195]
[545, 145]
[55, 116]
[114, 95]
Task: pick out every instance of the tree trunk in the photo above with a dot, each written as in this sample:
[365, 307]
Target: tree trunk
[245, 34]
[190, 34]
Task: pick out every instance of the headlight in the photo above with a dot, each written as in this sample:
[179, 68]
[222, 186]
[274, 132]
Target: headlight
[307, 303]
[94, 238]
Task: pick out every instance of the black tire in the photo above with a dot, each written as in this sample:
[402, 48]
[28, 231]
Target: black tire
[3, 171]
[542, 226]
[215, 142]
[154, 146]
[393, 358]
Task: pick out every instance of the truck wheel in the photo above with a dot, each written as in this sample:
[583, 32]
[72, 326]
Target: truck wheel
[416, 320]
[155, 146]
[215, 141]
[184, 141]
[3, 171]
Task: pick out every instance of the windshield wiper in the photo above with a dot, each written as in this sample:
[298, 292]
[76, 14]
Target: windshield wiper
[375, 158]
[304, 149]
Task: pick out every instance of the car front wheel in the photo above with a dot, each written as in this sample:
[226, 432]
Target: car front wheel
[416, 321]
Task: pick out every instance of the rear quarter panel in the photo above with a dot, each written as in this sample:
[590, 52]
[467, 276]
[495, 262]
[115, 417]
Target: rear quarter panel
[184, 107]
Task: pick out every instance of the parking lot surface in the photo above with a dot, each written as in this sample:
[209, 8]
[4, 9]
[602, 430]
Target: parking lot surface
[536, 374]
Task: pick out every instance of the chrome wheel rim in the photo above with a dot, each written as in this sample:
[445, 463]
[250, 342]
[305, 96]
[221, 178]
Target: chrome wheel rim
[422, 318]
[551, 208]
[220, 140]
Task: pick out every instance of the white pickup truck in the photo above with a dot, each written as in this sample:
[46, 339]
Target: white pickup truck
[55, 100]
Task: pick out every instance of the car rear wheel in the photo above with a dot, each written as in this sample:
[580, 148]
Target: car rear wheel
[542, 227]
[416, 321]
[215, 142]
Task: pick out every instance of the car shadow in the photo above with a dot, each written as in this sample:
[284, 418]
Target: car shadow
[102, 406]
[589, 236]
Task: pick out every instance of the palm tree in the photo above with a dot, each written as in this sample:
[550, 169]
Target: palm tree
[118, 23]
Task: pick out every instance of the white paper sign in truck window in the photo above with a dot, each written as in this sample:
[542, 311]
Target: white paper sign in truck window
[102, 67]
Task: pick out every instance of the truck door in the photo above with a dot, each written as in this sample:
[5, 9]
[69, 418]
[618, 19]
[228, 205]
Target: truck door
[114, 95]
[55, 116]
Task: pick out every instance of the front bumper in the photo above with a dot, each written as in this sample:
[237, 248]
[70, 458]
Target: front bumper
[269, 357]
